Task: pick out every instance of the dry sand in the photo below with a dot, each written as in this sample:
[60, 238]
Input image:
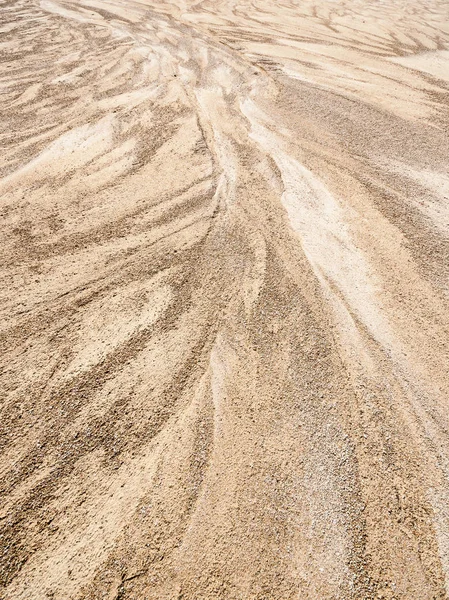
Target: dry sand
[224, 299]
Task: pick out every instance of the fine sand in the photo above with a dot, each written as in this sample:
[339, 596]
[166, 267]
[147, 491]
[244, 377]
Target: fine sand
[224, 299]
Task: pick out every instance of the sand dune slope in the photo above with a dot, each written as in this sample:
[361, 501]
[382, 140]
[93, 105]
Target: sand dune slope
[225, 309]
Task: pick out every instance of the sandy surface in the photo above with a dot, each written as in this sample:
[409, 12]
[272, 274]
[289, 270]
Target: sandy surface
[224, 300]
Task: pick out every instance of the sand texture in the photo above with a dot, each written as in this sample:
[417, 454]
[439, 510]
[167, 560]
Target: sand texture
[224, 300]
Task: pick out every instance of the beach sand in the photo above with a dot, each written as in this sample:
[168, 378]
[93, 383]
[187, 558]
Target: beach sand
[224, 300]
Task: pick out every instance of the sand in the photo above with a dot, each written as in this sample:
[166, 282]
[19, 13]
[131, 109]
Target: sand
[224, 299]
